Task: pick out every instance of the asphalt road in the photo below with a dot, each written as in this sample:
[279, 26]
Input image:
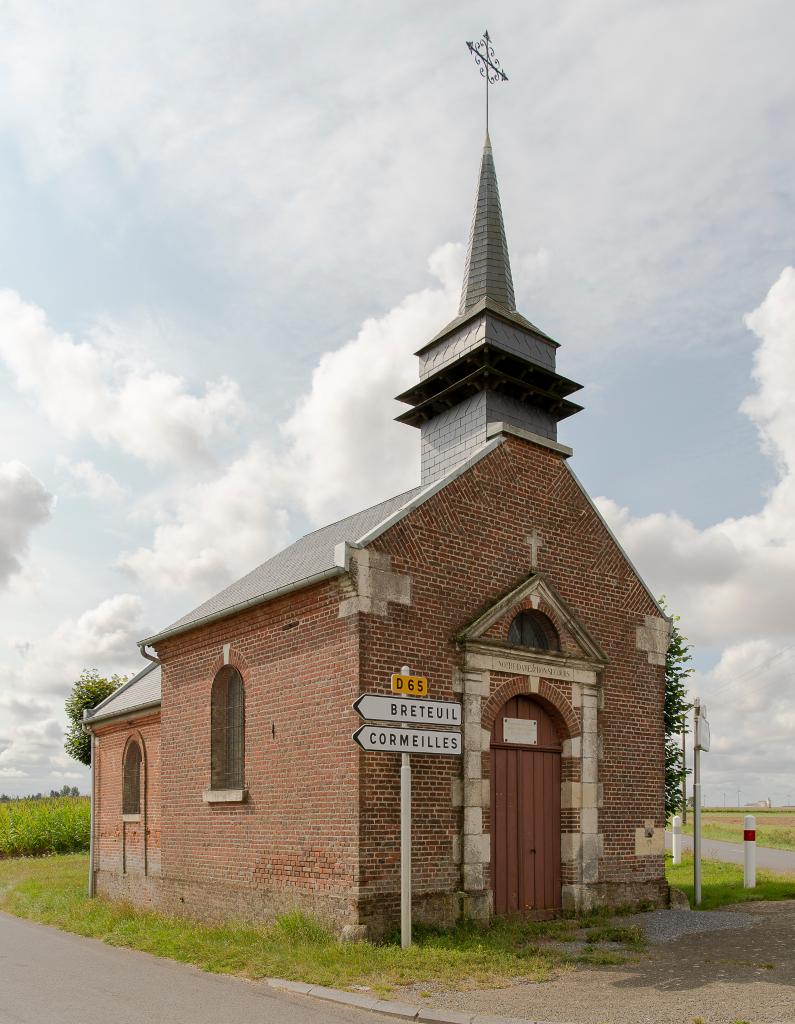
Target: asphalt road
[733, 853]
[51, 977]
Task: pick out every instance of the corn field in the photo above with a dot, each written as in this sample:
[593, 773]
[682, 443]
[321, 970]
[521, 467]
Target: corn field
[50, 825]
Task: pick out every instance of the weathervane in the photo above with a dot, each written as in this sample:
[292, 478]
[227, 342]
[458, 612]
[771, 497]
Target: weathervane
[490, 69]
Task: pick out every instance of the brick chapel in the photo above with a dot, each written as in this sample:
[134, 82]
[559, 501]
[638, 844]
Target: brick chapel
[225, 779]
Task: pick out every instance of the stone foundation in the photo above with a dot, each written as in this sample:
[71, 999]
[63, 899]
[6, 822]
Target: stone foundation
[214, 903]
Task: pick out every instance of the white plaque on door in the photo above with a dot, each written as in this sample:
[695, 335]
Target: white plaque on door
[519, 730]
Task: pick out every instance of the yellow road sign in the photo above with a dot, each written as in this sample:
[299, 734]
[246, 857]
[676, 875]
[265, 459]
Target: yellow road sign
[416, 686]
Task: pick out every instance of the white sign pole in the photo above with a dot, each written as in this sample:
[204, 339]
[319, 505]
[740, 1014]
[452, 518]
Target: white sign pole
[696, 803]
[405, 845]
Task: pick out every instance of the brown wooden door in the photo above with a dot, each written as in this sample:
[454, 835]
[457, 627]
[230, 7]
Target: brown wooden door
[525, 809]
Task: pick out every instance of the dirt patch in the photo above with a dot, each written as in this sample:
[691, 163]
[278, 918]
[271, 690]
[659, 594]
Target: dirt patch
[726, 976]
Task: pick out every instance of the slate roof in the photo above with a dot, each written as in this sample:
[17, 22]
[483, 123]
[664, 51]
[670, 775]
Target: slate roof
[487, 271]
[309, 557]
[142, 691]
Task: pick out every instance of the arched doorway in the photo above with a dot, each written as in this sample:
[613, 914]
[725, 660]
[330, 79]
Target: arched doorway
[525, 809]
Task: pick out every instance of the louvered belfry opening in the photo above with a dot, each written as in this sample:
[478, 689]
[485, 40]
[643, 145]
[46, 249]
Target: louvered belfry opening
[131, 789]
[227, 713]
[533, 629]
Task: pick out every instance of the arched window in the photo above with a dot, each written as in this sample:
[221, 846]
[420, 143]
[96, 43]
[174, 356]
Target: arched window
[533, 629]
[226, 739]
[131, 782]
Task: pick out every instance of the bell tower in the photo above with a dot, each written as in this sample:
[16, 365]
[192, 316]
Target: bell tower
[490, 365]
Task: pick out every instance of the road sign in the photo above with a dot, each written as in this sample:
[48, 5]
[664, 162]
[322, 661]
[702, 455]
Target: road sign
[412, 686]
[374, 707]
[408, 741]
[702, 736]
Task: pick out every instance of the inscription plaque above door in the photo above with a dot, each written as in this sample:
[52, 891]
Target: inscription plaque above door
[520, 730]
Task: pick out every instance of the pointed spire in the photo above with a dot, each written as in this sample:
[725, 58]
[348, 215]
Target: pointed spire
[487, 272]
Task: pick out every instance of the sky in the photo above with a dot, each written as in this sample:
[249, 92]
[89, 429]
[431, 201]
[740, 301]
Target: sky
[226, 229]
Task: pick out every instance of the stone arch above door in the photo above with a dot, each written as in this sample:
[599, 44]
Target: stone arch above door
[550, 696]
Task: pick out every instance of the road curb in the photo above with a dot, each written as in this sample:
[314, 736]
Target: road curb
[392, 1008]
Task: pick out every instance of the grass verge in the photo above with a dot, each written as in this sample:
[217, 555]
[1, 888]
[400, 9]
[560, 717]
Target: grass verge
[722, 884]
[52, 890]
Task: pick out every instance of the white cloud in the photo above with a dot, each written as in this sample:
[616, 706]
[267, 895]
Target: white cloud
[87, 479]
[219, 529]
[733, 583]
[751, 711]
[89, 389]
[735, 578]
[33, 721]
[344, 452]
[25, 503]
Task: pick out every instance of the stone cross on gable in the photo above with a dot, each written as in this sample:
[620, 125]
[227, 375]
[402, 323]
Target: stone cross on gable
[534, 541]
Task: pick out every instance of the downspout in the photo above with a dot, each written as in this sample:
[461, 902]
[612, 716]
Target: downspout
[87, 728]
[149, 657]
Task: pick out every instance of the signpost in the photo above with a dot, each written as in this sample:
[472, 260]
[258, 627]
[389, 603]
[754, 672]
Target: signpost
[407, 741]
[372, 707]
[407, 710]
[700, 742]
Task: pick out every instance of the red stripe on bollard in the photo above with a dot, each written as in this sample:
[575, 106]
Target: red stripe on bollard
[749, 835]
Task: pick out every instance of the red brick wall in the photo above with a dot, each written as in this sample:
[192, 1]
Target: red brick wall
[465, 548]
[294, 840]
[320, 827]
[127, 854]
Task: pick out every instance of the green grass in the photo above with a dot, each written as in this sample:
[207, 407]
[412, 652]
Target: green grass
[50, 825]
[52, 890]
[722, 884]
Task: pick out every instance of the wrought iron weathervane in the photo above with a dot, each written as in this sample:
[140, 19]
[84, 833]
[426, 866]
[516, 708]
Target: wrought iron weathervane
[490, 68]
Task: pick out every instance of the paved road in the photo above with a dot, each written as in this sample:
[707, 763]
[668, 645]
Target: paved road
[733, 853]
[51, 977]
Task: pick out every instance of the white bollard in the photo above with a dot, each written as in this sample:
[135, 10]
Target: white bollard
[749, 837]
[676, 830]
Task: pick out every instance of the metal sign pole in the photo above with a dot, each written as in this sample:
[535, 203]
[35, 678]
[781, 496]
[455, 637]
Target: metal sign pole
[405, 709]
[696, 803]
[405, 845]
[405, 851]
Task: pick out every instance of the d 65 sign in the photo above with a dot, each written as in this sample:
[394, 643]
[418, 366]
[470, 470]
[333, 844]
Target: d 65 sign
[414, 686]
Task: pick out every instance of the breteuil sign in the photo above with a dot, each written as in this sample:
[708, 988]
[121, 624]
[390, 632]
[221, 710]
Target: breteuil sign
[375, 707]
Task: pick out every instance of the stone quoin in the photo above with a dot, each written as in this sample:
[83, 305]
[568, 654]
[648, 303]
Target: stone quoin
[497, 579]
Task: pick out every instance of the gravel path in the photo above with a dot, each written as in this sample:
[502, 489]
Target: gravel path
[667, 925]
[739, 971]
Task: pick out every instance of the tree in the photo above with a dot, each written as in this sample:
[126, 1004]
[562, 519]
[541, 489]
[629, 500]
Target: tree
[675, 711]
[88, 691]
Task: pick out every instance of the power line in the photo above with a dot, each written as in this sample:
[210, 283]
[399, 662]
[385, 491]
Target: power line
[753, 671]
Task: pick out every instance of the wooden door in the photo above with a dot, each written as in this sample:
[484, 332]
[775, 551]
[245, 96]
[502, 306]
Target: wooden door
[525, 809]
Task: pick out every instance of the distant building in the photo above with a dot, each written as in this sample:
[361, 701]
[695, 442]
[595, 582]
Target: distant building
[226, 779]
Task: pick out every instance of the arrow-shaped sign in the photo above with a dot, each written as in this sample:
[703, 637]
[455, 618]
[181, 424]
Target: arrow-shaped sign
[408, 741]
[374, 707]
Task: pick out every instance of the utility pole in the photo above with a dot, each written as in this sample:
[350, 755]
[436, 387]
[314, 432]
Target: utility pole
[684, 771]
[696, 805]
[701, 741]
